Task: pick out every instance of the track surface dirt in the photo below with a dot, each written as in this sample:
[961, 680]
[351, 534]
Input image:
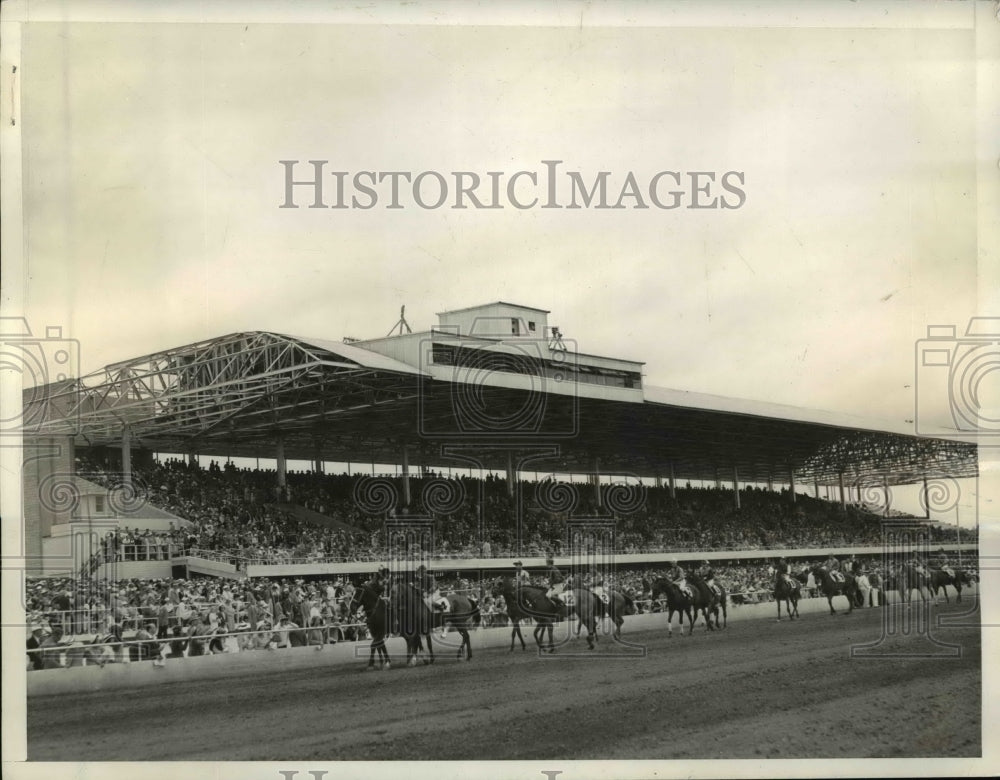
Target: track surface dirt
[757, 689]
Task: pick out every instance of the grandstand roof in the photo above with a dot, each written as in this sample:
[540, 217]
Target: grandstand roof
[238, 394]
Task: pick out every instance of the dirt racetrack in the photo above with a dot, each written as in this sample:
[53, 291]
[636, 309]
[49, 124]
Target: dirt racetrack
[757, 689]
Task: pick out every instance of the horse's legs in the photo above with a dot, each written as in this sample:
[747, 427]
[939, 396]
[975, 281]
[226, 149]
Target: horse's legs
[829, 600]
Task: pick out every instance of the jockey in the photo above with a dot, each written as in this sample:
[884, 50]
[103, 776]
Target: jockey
[521, 577]
[781, 571]
[423, 580]
[940, 561]
[678, 576]
[917, 563]
[557, 583]
[708, 575]
[597, 583]
[832, 564]
[383, 580]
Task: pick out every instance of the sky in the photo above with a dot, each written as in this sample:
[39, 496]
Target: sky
[152, 186]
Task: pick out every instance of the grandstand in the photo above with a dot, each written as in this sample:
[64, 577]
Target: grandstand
[493, 388]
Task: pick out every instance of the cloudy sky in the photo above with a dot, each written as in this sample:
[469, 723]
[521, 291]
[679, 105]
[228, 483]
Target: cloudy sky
[152, 186]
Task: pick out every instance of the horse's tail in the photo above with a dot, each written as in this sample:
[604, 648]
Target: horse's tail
[629, 604]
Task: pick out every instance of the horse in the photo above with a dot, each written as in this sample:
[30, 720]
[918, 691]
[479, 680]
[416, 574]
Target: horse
[679, 601]
[716, 598]
[829, 586]
[789, 590]
[369, 598]
[942, 578]
[462, 614]
[413, 619]
[587, 607]
[527, 601]
[906, 578]
[615, 605]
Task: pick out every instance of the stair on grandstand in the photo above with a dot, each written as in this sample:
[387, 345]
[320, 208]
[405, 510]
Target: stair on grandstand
[316, 518]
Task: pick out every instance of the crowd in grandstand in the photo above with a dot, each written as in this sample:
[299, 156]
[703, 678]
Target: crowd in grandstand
[240, 514]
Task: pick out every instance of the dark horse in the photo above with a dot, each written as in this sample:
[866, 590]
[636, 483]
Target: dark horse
[716, 597]
[789, 590]
[410, 616]
[616, 606]
[528, 601]
[587, 607]
[942, 578]
[462, 614]
[369, 598]
[831, 586]
[679, 601]
[907, 578]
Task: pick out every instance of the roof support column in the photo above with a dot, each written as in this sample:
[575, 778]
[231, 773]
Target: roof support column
[406, 476]
[927, 500]
[843, 500]
[736, 487]
[718, 480]
[816, 487]
[770, 482]
[597, 482]
[659, 481]
[888, 496]
[126, 454]
[318, 464]
[791, 480]
[673, 483]
[279, 456]
[510, 474]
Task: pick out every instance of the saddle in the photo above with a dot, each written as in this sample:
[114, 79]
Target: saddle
[567, 598]
[837, 576]
[716, 589]
[435, 601]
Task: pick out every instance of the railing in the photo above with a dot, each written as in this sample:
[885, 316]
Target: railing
[73, 654]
